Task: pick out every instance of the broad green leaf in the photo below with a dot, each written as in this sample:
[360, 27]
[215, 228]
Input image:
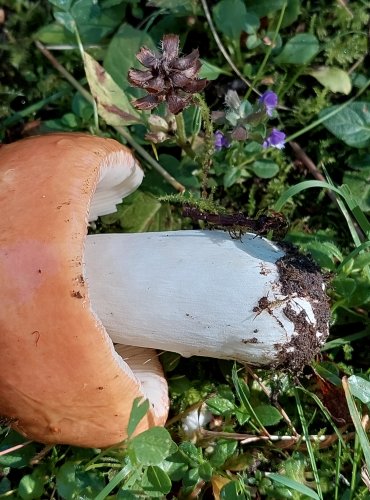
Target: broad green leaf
[230, 17]
[122, 50]
[151, 446]
[205, 471]
[113, 104]
[351, 124]
[360, 388]
[138, 411]
[61, 4]
[220, 406]
[294, 485]
[224, 449]
[66, 20]
[265, 169]
[299, 50]
[359, 184]
[332, 78]
[74, 483]
[156, 481]
[31, 486]
[232, 491]
[55, 34]
[94, 22]
[178, 7]
[210, 71]
[263, 7]
[268, 414]
[356, 418]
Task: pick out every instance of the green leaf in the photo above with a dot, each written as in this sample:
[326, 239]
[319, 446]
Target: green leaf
[232, 491]
[205, 471]
[359, 183]
[263, 7]
[351, 124]
[224, 449]
[332, 78]
[61, 4]
[191, 453]
[294, 485]
[230, 17]
[299, 50]
[94, 22]
[31, 486]
[220, 406]
[175, 6]
[113, 104]
[151, 446]
[360, 388]
[74, 483]
[156, 481]
[265, 169]
[138, 412]
[268, 415]
[210, 71]
[122, 50]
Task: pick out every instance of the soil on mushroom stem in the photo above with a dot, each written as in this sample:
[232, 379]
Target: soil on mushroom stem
[300, 276]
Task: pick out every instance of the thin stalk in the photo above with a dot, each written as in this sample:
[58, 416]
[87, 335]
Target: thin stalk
[222, 48]
[268, 51]
[182, 140]
[121, 130]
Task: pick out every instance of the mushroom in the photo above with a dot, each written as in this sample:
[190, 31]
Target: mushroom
[61, 380]
[192, 292]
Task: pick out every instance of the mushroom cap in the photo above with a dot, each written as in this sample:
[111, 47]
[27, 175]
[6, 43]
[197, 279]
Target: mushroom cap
[61, 380]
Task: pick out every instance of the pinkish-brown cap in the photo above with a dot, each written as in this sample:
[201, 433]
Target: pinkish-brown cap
[61, 380]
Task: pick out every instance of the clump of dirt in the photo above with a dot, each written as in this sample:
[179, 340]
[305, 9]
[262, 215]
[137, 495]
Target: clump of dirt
[301, 277]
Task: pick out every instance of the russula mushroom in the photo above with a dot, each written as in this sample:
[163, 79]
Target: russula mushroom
[193, 292]
[61, 380]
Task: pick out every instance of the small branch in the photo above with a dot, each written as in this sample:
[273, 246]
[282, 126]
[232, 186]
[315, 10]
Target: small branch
[14, 448]
[121, 130]
[312, 168]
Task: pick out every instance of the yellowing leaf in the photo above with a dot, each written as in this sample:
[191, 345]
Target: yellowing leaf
[217, 484]
[334, 79]
[113, 104]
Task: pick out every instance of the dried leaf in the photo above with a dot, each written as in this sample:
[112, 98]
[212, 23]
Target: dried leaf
[113, 104]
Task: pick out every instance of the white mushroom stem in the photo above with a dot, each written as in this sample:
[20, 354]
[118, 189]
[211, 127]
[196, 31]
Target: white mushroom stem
[196, 293]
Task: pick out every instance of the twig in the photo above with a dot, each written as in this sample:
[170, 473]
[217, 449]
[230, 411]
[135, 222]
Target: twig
[14, 448]
[121, 130]
[314, 171]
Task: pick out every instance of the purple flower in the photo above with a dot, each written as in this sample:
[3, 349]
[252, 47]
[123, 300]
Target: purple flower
[276, 139]
[269, 100]
[221, 141]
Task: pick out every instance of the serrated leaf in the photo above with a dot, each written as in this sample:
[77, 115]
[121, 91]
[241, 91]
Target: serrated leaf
[113, 104]
[151, 446]
[299, 50]
[334, 79]
[350, 124]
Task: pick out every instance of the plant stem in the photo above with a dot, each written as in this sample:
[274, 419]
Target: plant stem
[121, 130]
[268, 51]
[182, 140]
